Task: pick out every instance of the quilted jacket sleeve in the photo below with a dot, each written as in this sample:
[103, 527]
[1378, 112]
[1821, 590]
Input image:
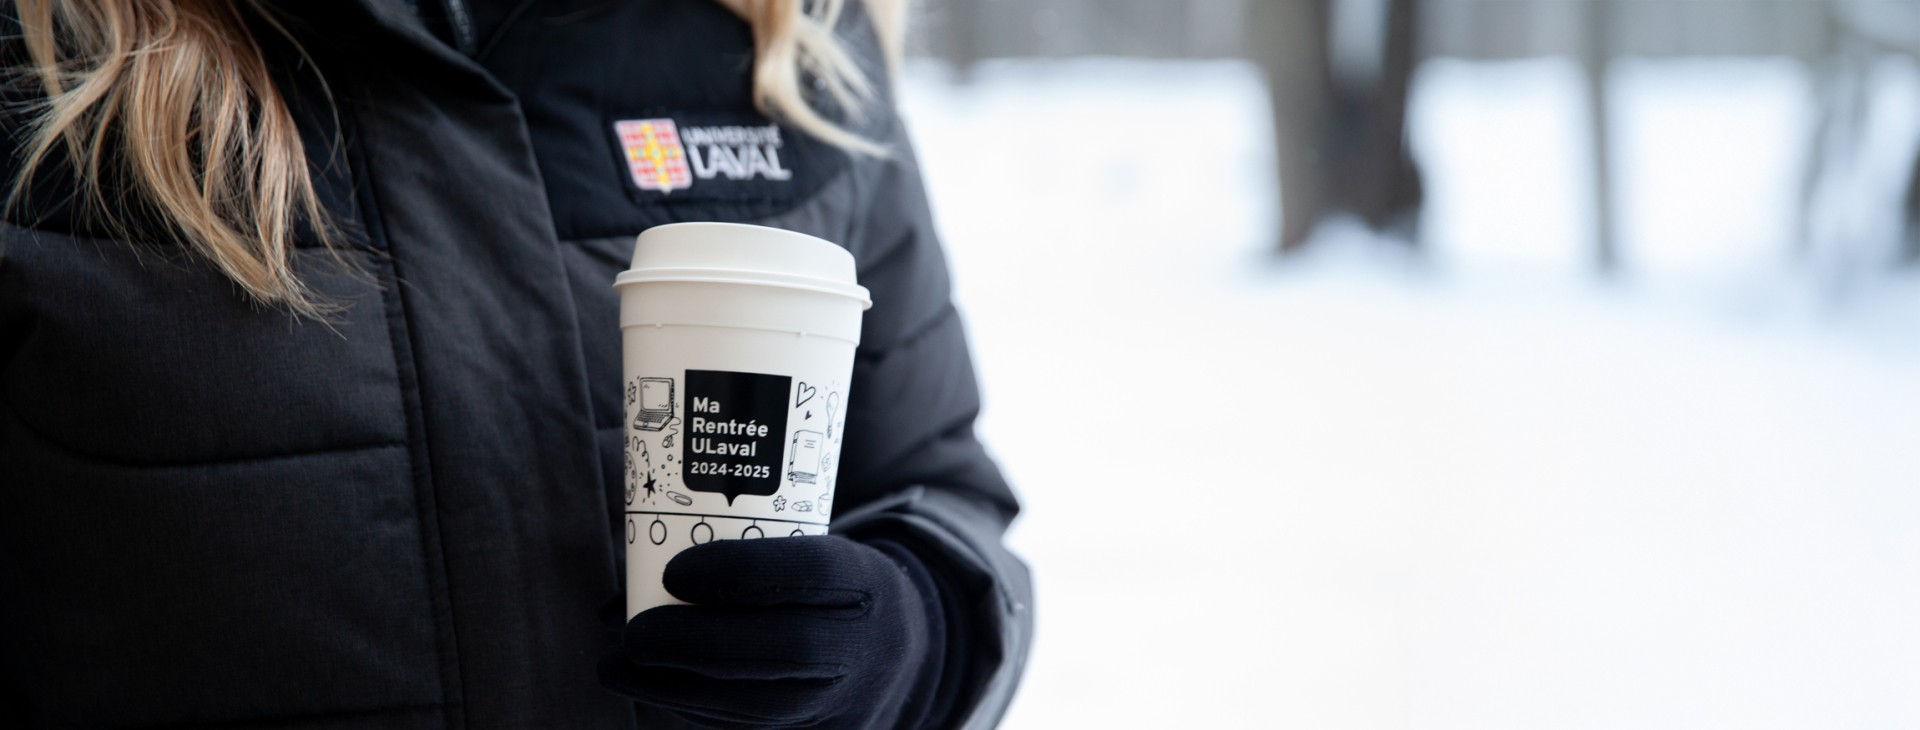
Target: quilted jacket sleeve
[912, 468]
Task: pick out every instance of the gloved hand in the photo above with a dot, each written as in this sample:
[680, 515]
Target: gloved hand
[817, 632]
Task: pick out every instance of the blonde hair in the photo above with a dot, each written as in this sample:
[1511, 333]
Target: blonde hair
[791, 40]
[174, 98]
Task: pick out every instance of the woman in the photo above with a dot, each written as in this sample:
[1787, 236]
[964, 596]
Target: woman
[310, 367]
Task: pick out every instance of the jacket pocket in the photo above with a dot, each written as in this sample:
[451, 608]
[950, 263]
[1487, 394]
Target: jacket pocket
[212, 593]
[150, 357]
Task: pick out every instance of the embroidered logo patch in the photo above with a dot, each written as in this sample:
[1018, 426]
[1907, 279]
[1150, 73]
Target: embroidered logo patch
[654, 154]
[664, 156]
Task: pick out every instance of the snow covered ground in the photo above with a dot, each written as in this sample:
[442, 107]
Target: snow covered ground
[1482, 490]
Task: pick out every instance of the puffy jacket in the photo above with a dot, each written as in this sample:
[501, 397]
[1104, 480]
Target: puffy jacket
[213, 513]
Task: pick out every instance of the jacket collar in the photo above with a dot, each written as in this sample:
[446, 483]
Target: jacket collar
[388, 37]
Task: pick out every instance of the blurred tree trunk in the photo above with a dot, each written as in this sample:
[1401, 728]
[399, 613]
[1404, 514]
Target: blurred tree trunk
[1341, 138]
[1289, 41]
[1596, 58]
[1910, 235]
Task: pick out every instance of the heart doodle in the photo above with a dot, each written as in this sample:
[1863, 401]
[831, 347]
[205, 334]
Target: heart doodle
[803, 394]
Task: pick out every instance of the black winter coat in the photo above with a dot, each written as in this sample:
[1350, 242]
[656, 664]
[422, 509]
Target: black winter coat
[213, 514]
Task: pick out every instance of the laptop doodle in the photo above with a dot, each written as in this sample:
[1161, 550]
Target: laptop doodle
[656, 404]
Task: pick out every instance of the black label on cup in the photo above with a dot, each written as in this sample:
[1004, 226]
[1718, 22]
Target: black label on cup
[736, 426]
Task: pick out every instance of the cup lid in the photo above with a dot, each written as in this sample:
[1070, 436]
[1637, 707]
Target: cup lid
[737, 253]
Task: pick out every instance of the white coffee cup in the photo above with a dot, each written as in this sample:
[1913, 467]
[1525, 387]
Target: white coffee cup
[738, 347]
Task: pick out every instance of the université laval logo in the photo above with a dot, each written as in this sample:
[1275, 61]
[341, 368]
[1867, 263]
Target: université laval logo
[664, 156]
[654, 154]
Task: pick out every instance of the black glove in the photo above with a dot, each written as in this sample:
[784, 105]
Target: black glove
[817, 632]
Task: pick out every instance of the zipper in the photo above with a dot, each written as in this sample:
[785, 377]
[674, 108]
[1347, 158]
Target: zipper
[460, 22]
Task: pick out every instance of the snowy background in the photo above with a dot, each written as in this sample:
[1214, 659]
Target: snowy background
[1481, 488]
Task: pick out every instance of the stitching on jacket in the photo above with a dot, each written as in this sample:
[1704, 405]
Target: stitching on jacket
[447, 651]
[101, 459]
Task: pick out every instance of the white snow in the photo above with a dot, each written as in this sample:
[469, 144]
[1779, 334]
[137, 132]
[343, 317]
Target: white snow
[1484, 490]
